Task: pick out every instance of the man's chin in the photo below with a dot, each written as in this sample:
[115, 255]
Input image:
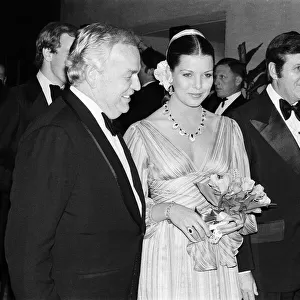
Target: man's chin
[124, 109]
[220, 95]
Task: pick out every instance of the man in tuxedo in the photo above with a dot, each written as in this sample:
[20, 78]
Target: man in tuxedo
[25, 102]
[271, 128]
[76, 223]
[150, 97]
[29, 100]
[229, 75]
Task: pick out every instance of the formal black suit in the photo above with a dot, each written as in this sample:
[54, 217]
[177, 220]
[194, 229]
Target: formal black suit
[274, 159]
[74, 229]
[21, 105]
[143, 103]
[212, 103]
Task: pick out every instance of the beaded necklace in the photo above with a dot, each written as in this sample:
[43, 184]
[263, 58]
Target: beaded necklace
[191, 136]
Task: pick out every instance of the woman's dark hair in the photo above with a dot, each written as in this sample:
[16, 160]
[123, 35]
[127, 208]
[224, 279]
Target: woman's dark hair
[188, 45]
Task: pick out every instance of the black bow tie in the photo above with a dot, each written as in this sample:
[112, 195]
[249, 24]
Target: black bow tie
[223, 101]
[109, 125]
[287, 108]
[56, 91]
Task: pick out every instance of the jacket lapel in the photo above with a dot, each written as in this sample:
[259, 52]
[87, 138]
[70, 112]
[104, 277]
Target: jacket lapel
[135, 176]
[35, 101]
[240, 100]
[274, 130]
[109, 154]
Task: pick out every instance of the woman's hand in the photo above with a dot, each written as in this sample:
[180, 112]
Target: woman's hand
[189, 222]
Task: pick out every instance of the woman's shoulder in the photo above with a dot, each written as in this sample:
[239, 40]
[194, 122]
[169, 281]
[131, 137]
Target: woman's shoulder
[158, 118]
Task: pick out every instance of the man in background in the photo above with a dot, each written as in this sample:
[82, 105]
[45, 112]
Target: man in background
[270, 124]
[76, 222]
[229, 75]
[26, 102]
[150, 96]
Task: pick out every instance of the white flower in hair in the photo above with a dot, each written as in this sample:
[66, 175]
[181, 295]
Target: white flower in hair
[163, 74]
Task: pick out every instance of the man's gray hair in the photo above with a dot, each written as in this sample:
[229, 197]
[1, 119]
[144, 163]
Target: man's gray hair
[92, 46]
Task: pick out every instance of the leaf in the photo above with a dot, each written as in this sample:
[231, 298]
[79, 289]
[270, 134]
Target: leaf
[242, 52]
[261, 80]
[251, 53]
[256, 71]
[208, 193]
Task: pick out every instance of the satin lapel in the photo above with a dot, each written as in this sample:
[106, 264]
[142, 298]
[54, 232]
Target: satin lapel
[108, 152]
[279, 137]
[34, 98]
[135, 175]
[38, 107]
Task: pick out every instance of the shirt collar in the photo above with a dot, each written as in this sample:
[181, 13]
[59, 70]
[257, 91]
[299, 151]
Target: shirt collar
[234, 96]
[94, 108]
[275, 97]
[44, 81]
[147, 83]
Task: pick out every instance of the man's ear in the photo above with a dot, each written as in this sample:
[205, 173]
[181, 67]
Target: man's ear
[238, 80]
[91, 76]
[47, 54]
[150, 71]
[272, 70]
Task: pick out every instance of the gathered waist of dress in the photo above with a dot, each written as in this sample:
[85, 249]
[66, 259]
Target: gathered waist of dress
[181, 190]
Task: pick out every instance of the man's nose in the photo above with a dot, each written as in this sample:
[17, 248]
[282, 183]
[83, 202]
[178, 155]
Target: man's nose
[136, 85]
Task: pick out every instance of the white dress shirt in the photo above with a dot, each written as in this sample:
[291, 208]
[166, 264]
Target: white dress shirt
[292, 122]
[113, 140]
[219, 111]
[45, 84]
[147, 83]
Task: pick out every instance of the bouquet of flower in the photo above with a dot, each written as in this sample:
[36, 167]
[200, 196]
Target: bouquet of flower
[232, 197]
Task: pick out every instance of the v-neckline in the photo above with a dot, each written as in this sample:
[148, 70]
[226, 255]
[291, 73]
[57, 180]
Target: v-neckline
[179, 150]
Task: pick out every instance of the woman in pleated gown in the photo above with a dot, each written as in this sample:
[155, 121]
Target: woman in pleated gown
[175, 148]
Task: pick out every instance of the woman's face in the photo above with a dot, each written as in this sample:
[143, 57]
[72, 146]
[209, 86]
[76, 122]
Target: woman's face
[193, 78]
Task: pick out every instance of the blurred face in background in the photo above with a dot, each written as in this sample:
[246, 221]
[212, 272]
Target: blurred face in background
[58, 60]
[226, 82]
[53, 66]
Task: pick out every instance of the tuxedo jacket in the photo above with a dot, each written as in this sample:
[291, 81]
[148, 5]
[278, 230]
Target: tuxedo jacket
[22, 105]
[274, 157]
[213, 102]
[143, 103]
[74, 229]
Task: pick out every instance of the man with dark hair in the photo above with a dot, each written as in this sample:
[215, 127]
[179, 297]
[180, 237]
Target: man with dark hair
[76, 222]
[271, 128]
[229, 75]
[25, 102]
[150, 96]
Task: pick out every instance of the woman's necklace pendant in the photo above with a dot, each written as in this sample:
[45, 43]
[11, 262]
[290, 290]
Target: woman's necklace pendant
[192, 137]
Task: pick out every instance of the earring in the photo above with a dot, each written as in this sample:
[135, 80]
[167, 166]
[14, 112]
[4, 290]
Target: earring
[171, 90]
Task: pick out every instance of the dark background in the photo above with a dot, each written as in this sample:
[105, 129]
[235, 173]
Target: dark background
[20, 23]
